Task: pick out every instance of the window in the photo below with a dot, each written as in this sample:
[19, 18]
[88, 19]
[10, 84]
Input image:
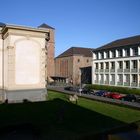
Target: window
[113, 53]
[78, 60]
[127, 64]
[112, 65]
[126, 78]
[135, 51]
[87, 60]
[120, 77]
[127, 52]
[120, 65]
[134, 78]
[107, 54]
[134, 64]
[96, 65]
[107, 65]
[120, 53]
[102, 55]
[101, 65]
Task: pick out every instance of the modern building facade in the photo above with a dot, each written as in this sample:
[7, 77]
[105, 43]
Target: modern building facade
[23, 55]
[117, 63]
[68, 64]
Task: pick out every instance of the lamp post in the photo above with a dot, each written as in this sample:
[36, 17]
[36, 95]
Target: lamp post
[80, 89]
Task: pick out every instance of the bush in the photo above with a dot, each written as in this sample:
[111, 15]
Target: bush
[123, 90]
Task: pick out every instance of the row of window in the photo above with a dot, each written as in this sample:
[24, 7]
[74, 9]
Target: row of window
[105, 65]
[117, 53]
[120, 78]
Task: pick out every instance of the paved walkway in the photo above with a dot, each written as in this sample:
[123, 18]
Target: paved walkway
[135, 105]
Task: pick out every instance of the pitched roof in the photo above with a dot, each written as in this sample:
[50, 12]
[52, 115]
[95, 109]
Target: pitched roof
[76, 51]
[121, 42]
[44, 25]
[2, 24]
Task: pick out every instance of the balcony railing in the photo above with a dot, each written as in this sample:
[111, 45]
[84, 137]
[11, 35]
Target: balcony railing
[134, 84]
[126, 70]
[96, 81]
[96, 70]
[101, 70]
[112, 70]
[101, 82]
[126, 84]
[112, 82]
[107, 82]
[119, 83]
[106, 70]
[134, 70]
[120, 70]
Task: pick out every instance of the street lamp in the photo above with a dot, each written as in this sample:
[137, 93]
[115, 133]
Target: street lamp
[80, 89]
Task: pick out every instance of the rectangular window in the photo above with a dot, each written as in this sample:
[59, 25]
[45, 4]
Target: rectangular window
[134, 64]
[120, 53]
[113, 53]
[102, 55]
[134, 78]
[107, 54]
[96, 65]
[101, 64]
[135, 51]
[107, 65]
[120, 64]
[127, 64]
[112, 65]
[127, 52]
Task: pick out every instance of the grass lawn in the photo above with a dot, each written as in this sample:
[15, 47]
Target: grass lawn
[57, 118]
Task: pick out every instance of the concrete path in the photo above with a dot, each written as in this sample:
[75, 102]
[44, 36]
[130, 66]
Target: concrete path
[135, 105]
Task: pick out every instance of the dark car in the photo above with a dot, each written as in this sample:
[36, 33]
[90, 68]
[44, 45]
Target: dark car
[129, 97]
[69, 88]
[114, 95]
[87, 91]
[100, 93]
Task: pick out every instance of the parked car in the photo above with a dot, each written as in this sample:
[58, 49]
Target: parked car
[114, 95]
[129, 97]
[100, 93]
[69, 88]
[87, 91]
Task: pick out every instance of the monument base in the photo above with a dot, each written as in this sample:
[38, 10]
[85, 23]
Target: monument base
[33, 95]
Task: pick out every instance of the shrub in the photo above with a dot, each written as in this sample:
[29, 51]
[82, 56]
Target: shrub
[124, 90]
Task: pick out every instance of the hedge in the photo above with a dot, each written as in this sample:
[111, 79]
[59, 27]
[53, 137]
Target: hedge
[123, 90]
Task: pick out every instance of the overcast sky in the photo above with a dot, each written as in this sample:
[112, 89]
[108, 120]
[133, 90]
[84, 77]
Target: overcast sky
[83, 23]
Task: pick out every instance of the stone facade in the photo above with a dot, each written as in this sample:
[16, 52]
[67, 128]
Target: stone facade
[22, 63]
[69, 65]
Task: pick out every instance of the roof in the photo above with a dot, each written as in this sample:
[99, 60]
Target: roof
[76, 51]
[44, 25]
[2, 24]
[12, 26]
[121, 42]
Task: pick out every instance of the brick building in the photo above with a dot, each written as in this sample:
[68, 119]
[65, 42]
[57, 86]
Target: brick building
[68, 64]
[50, 51]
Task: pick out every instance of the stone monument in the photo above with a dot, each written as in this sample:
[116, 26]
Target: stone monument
[23, 57]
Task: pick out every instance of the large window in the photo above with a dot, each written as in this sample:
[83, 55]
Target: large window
[107, 65]
[96, 65]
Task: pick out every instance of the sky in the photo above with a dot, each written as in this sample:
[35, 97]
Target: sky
[81, 23]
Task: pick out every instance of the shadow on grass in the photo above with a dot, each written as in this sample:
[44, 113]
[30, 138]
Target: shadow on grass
[56, 119]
